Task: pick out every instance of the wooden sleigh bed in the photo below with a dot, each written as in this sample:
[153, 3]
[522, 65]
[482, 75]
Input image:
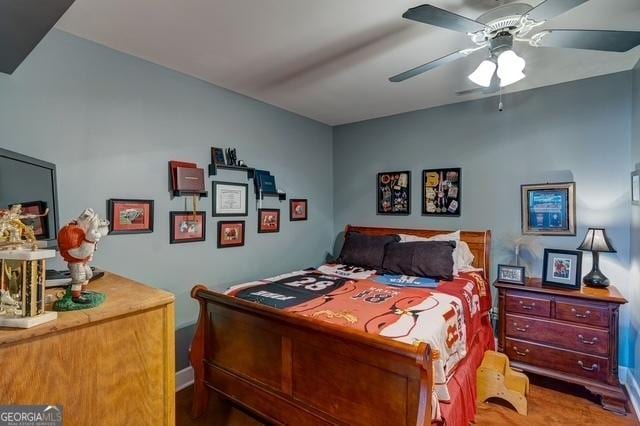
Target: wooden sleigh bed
[288, 369]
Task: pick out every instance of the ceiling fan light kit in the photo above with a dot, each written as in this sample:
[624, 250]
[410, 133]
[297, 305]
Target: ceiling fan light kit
[498, 29]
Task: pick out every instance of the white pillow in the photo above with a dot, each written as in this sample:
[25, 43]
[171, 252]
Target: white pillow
[462, 256]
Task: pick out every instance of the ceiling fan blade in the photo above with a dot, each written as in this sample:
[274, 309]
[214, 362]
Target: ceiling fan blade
[426, 67]
[552, 8]
[432, 15]
[610, 41]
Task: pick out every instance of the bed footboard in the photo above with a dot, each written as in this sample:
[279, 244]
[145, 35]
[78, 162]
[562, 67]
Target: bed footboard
[289, 369]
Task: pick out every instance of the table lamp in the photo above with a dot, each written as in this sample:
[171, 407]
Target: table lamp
[596, 241]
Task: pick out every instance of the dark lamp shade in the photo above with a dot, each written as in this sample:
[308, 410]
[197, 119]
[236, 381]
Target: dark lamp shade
[596, 240]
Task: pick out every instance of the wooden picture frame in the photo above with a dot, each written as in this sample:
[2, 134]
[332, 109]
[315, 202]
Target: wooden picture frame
[548, 209]
[231, 233]
[230, 199]
[298, 209]
[511, 274]
[184, 231]
[442, 192]
[40, 225]
[393, 193]
[128, 216]
[268, 221]
[562, 269]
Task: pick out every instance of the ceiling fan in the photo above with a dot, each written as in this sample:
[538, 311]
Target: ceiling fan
[496, 31]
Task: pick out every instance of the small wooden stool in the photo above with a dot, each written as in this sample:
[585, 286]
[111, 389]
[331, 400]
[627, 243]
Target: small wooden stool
[497, 380]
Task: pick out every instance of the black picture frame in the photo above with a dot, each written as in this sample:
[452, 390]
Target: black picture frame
[217, 156]
[508, 274]
[442, 192]
[292, 216]
[393, 193]
[174, 215]
[261, 229]
[557, 276]
[216, 186]
[43, 221]
[223, 223]
[111, 205]
[554, 216]
[635, 188]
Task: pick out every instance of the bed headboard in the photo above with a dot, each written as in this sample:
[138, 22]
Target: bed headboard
[479, 241]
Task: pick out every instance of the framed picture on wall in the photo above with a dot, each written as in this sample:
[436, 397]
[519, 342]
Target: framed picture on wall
[549, 209]
[635, 188]
[38, 222]
[393, 193]
[298, 208]
[562, 268]
[187, 227]
[231, 233]
[230, 199]
[442, 192]
[130, 216]
[268, 220]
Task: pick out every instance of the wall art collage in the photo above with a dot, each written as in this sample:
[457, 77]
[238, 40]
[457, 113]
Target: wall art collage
[229, 199]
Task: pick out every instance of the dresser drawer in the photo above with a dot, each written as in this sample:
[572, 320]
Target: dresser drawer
[597, 315]
[577, 364]
[528, 305]
[568, 336]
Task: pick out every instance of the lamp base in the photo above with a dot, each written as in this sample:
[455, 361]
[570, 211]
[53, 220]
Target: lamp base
[595, 278]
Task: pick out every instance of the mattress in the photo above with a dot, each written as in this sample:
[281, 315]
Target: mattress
[448, 316]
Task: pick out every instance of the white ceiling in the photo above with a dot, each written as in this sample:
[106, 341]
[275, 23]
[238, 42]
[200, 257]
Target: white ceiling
[330, 59]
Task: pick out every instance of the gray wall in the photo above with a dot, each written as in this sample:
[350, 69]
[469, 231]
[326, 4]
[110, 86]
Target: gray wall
[579, 131]
[634, 294]
[111, 122]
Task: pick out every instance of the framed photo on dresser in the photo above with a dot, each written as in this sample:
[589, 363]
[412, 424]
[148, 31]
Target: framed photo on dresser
[549, 209]
[562, 268]
[394, 193]
[442, 192]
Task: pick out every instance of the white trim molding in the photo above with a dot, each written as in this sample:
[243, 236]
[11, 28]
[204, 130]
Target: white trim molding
[628, 379]
[184, 378]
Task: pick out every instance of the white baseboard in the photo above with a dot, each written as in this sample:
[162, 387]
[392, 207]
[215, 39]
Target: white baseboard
[628, 379]
[184, 378]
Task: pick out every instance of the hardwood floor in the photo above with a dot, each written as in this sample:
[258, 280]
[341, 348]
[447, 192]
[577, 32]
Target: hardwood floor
[551, 403]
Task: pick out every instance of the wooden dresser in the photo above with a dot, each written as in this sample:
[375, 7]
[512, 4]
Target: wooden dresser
[111, 365]
[564, 334]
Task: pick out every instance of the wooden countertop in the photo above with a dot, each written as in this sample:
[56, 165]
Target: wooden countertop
[124, 296]
[609, 294]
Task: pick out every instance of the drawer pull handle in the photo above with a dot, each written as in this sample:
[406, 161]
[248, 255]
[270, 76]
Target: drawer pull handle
[594, 367]
[585, 315]
[525, 353]
[587, 342]
[515, 324]
[529, 307]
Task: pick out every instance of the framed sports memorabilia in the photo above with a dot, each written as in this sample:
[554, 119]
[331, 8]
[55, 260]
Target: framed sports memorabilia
[298, 209]
[549, 209]
[442, 192]
[40, 224]
[217, 156]
[130, 216]
[230, 199]
[394, 193]
[187, 227]
[511, 274]
[562, 268]
[268, 220]
[635, 188]
[231, 233]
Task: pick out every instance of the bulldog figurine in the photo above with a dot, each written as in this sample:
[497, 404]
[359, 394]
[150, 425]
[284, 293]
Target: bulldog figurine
[77, 242]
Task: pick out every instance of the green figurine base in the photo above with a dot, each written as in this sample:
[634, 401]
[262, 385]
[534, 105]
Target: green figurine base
[67, 303]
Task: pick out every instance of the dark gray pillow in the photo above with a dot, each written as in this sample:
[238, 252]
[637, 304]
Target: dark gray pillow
[365, 250]
[432, 259]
